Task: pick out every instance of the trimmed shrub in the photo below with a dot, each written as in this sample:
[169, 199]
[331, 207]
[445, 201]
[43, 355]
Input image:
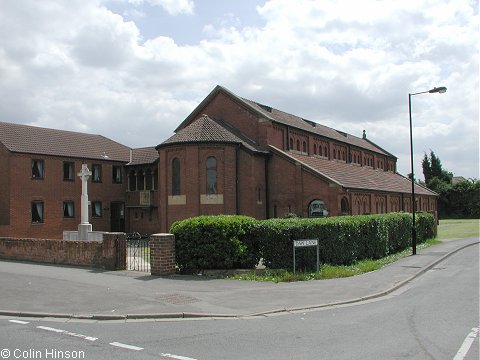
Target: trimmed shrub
[226, 242]
[214, 242]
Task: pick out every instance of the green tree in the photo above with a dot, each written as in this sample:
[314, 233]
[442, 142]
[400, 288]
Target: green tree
[427, 168]
[432, 168]
[461, 200]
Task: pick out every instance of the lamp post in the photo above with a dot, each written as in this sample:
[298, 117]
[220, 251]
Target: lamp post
[440, 90]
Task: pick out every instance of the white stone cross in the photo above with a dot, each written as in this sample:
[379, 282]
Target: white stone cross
[84, 227]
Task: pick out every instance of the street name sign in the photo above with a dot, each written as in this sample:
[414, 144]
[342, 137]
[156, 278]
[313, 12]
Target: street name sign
[305, 242]
[301, 243]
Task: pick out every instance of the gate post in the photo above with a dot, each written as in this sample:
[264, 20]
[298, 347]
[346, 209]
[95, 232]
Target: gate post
[113, 252]
[162, 254]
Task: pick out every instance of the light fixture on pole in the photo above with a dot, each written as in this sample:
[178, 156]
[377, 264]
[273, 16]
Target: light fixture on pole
[439, 90]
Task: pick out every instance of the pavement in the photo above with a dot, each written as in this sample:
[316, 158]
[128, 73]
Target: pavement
[53, 291]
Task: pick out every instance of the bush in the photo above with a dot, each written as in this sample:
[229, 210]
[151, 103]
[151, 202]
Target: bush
[214, 242]
[226, 242]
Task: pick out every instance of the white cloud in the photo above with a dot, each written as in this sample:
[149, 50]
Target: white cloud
[174, 7]
[347, 64]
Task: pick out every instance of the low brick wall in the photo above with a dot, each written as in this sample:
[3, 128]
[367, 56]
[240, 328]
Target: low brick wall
[97, 254]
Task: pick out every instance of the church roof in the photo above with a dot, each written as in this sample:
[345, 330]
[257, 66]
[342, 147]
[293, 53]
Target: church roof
[36, 140]
[293, 121]
[352, 176]
[206, 130]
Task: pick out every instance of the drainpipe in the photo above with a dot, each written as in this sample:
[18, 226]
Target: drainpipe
[237, 166]
[267, 197]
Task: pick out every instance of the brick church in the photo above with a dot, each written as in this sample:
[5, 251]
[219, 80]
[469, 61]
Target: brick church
[229, 156]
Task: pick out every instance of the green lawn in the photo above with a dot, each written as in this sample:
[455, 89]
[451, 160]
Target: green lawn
[462, 228]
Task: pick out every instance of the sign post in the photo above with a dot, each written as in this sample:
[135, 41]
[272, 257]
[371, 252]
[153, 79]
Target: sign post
[306, 243]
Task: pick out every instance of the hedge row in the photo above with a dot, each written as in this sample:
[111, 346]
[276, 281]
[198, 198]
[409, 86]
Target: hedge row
[228, 241]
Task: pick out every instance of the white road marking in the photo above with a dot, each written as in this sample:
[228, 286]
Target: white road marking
[462, 352]
[60, 331]
[19, 322]
[125, 346]
[178, 357]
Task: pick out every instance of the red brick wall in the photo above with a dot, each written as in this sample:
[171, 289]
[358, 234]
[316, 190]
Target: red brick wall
[251, 182]
[99, 254]
[223, 107]
[4, 187]
[53, 191]
[292, 188]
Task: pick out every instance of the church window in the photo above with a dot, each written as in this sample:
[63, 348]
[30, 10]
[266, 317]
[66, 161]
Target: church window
[175, 176]
[211, 170]
[344, 205]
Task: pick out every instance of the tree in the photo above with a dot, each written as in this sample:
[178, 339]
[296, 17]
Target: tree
[427, 168]
[461, 200]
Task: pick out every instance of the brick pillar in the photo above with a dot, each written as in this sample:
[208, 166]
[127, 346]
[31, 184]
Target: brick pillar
[162, 254]
[114, 255]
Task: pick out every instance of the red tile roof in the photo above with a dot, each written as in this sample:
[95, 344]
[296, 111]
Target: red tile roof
[146, 155]
[293, 121]
[43, 141]
[352, 176]
[205, 129]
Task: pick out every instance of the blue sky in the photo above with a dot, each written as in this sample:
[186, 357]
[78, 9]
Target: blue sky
[187, 28]
[132, 70]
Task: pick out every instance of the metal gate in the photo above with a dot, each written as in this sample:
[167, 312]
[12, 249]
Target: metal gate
[138, 252]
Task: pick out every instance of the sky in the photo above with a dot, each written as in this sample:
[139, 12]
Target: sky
[133, 70]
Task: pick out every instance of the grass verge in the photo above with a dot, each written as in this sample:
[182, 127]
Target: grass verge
[461, 228]
[330, 271]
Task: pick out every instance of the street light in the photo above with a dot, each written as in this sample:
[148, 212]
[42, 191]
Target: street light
[439, 90]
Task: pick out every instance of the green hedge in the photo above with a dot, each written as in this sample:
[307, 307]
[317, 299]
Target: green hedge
[215, 242]
[225, 242]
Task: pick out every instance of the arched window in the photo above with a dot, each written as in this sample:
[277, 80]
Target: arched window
[320, 150]
[176, 176]
[344, 205]
[334, 153]
[315, 149]
[317, 208]
[132, 181]
[140, 180]
[211, 171]
[298, 145]
[291, 144]
[148, 180]
[304, 147]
